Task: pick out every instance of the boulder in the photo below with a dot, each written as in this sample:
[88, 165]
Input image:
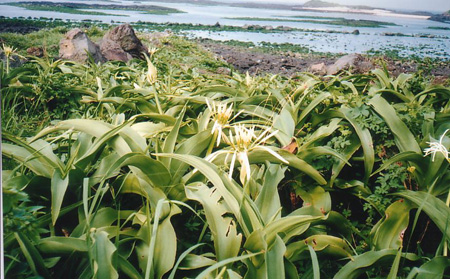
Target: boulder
[319, 68]
[75, 45]
[224, 71]
[111, 50]
[356, 61]
[125, 37]
[35, 51]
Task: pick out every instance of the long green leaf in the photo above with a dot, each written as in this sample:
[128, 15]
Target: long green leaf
[315, 263]
[403, 137]
[388, 232]
[433, 269]
[223, 229]
[102, 251]
[171, 139]
[32, 255]
[436, 209]
[59, 186]
[366, 143]
[62, 245]
[205, 273]
[275, 259]
[361, 263]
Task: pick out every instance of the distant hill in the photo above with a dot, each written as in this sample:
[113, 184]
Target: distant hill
[319, 4]
[445, 17]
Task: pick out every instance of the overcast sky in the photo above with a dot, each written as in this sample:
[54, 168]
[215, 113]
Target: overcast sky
[412, 5]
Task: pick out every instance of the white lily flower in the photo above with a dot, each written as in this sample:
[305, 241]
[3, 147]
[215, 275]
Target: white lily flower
[241, 143]
[221, 115]
[437, 147]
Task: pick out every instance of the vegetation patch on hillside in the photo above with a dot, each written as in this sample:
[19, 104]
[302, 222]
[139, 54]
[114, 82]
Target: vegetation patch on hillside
[77, 8]
[329, 21]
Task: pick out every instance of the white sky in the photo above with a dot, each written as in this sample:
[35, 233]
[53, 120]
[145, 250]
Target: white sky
[411, 5]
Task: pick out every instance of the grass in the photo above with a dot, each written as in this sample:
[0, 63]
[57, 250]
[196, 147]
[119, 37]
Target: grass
[76, 8]
[48, 39]
[329, 21]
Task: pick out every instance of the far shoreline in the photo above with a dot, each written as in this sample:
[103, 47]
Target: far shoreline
[376, 12]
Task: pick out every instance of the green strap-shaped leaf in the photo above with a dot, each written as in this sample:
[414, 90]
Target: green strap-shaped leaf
[32, 255]
[59, 245]
[366, 143]
[205, 273]
[315, 263]
[388, 232]
[171, 139]
[260, 156]
[227, 241]
[101, 253]
[327, 244]
[285, 124]
[127, 268]
[365, 261]
[289, 227]
[403, 137]
[314, 103]
[275, 259]
[433, 269]
[268, 200]
[436, 209]
[245, 213]
[58, 188]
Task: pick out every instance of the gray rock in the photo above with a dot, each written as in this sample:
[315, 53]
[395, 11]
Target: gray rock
[35, 51]
[356, 61]
[223, 71]
[125, 37]
[319, 68]
[111, 50]
[75, 45]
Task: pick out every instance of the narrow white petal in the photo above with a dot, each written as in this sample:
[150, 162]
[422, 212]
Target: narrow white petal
[245, 166]
[219, 135]
[233, 160]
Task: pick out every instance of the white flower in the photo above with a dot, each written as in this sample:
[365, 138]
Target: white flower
[221, 114]
[244, 141]
[437, 147]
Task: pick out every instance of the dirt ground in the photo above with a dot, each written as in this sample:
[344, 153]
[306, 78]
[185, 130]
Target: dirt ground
[257, 62]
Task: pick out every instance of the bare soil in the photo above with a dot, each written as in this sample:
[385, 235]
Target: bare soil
[288, 63]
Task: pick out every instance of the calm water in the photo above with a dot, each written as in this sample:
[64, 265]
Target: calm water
[369, 38]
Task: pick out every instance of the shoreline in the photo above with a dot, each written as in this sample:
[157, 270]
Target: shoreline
[376, 12]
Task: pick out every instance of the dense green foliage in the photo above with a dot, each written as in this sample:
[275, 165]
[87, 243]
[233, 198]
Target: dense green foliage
[167, 169]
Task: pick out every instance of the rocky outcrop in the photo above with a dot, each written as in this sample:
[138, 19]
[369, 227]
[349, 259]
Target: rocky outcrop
[119, 43]
[111, 50]
[122, 36]
[76, 45]
[445, 17]
[318, 68]
[355, 61]
[35, 51]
